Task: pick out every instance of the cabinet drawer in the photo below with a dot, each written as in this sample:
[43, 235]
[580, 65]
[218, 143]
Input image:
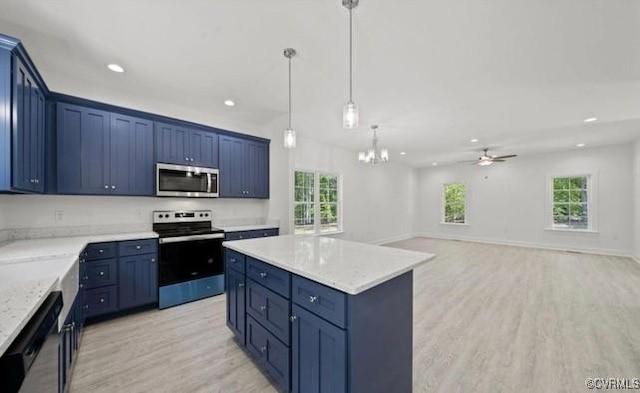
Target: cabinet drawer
[100, 301]
[234, 260]
[137, 247]
[237, 235]
[325, 302]
[270, 353]
[271, 277]
[100, 273]
[99, 251]
[265, 232]
[268, 308]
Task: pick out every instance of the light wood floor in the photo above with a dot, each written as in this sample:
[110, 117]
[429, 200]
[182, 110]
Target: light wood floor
[486, 319]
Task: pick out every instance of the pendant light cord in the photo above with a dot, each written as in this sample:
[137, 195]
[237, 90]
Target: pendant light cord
[350, 55]
[289, 93]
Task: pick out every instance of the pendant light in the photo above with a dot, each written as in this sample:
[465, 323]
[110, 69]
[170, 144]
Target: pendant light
[374, 155]
[289, 133]
[350, 115]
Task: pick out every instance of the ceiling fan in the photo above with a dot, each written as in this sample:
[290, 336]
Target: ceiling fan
[486, 159]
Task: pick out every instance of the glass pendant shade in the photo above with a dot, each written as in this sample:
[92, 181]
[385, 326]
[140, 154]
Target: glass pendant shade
[384, 155]
[362, 156]
[289, 139]
[350, 116]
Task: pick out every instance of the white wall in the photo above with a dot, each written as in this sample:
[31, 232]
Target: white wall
[378, 202]
[508, 203]
[636, 198]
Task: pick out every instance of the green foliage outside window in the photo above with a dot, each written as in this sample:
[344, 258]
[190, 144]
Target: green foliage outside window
[454, 203]
[305, 214]
[570, 202]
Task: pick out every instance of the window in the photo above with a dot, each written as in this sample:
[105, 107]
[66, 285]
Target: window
[455, 196]
[317, 206]
[571, 203]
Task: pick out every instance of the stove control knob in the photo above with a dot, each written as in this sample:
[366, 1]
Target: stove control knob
[206, 214]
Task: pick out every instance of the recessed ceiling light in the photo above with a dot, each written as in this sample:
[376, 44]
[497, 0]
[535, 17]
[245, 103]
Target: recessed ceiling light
[434, 163]
[474, 140]
[229, 103]
[580, 145]
[590, 119]
[403, 153]
[115, 67]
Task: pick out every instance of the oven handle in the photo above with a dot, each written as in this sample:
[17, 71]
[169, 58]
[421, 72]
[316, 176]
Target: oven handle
[190, 238]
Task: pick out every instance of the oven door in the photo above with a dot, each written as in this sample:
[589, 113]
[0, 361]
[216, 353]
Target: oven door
[186, 181]
[189, 258]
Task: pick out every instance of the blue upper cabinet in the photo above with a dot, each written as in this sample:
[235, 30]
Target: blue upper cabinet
[244, 168]
[131, 155]
[22, 128]
[186, 146]
[102, 153]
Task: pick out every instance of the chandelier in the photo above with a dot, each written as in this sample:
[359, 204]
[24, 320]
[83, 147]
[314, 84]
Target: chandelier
[374, 155]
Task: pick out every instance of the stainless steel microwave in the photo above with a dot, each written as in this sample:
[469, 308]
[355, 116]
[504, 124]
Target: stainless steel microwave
[186, 181]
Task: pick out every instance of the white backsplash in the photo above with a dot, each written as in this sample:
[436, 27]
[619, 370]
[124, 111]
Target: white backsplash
[38, 216]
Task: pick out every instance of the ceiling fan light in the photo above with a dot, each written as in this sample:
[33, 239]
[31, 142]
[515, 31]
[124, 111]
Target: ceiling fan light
[350, 116]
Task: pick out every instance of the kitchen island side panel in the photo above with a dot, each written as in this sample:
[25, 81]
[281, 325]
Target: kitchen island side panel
[380, 336]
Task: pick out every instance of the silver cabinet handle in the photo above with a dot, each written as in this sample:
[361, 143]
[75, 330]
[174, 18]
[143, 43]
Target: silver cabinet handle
[101, 274]
[37, 181]
[263, 308]
[313, 299]
[100, 251]
[138, 247]
[232, 260]
[293, 318]
[101, 300]
[192, 159]
[86, 306]
[186, 158]
[263, 349]
[241, 284]
[263, 275]
[153, 260]
[113, 187]
[81, 285]
[106, 186]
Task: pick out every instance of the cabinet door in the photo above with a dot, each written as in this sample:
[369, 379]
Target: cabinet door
[318, 354]
[232, 167]
[131, 153]
[203, 147]
[83, 150]
[138, 280]
[171, 144]
[257, 170]
[28, 131]
[236, 303]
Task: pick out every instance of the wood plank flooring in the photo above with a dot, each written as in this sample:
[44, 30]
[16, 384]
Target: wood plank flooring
[487, 318]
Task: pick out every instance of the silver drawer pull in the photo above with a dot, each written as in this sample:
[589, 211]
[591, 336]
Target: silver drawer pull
[263, 308]
[153, 260]
[138, 247]
[293, 318]
[241, 284]
[313, 299]
[232, 260]
[101, 300]
[100, 251]
[101, 274]
[263, 275]
[106, 186]
[263, 349]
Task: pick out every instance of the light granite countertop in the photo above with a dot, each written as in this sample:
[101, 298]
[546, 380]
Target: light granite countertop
[31, 269]
[240, 228]
[344, 265]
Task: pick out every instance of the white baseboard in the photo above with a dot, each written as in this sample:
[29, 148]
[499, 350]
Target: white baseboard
[393, 239]
[596, 251]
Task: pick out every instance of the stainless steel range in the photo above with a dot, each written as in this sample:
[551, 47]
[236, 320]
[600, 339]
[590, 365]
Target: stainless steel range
[191, 265]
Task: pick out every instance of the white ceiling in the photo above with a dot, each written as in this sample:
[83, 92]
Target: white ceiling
[520, 75]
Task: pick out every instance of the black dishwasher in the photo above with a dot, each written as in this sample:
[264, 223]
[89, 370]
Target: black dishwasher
[31, 362]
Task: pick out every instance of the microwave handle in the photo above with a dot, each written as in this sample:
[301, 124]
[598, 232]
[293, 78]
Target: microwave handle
[209, 182]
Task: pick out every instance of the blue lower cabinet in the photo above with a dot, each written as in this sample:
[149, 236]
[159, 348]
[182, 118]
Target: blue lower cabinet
[269, 352]
[235, 286]
[138, 280]
[319, 354]
[268, 308]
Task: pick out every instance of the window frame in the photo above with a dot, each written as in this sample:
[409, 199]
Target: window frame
[591, 203]
[443, 204]
[317, 224]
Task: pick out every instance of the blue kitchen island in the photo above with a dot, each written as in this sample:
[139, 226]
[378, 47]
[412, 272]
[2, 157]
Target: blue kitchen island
[319, 314]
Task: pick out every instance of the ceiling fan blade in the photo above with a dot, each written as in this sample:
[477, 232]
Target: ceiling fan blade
[496, 160]
[501, 157]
